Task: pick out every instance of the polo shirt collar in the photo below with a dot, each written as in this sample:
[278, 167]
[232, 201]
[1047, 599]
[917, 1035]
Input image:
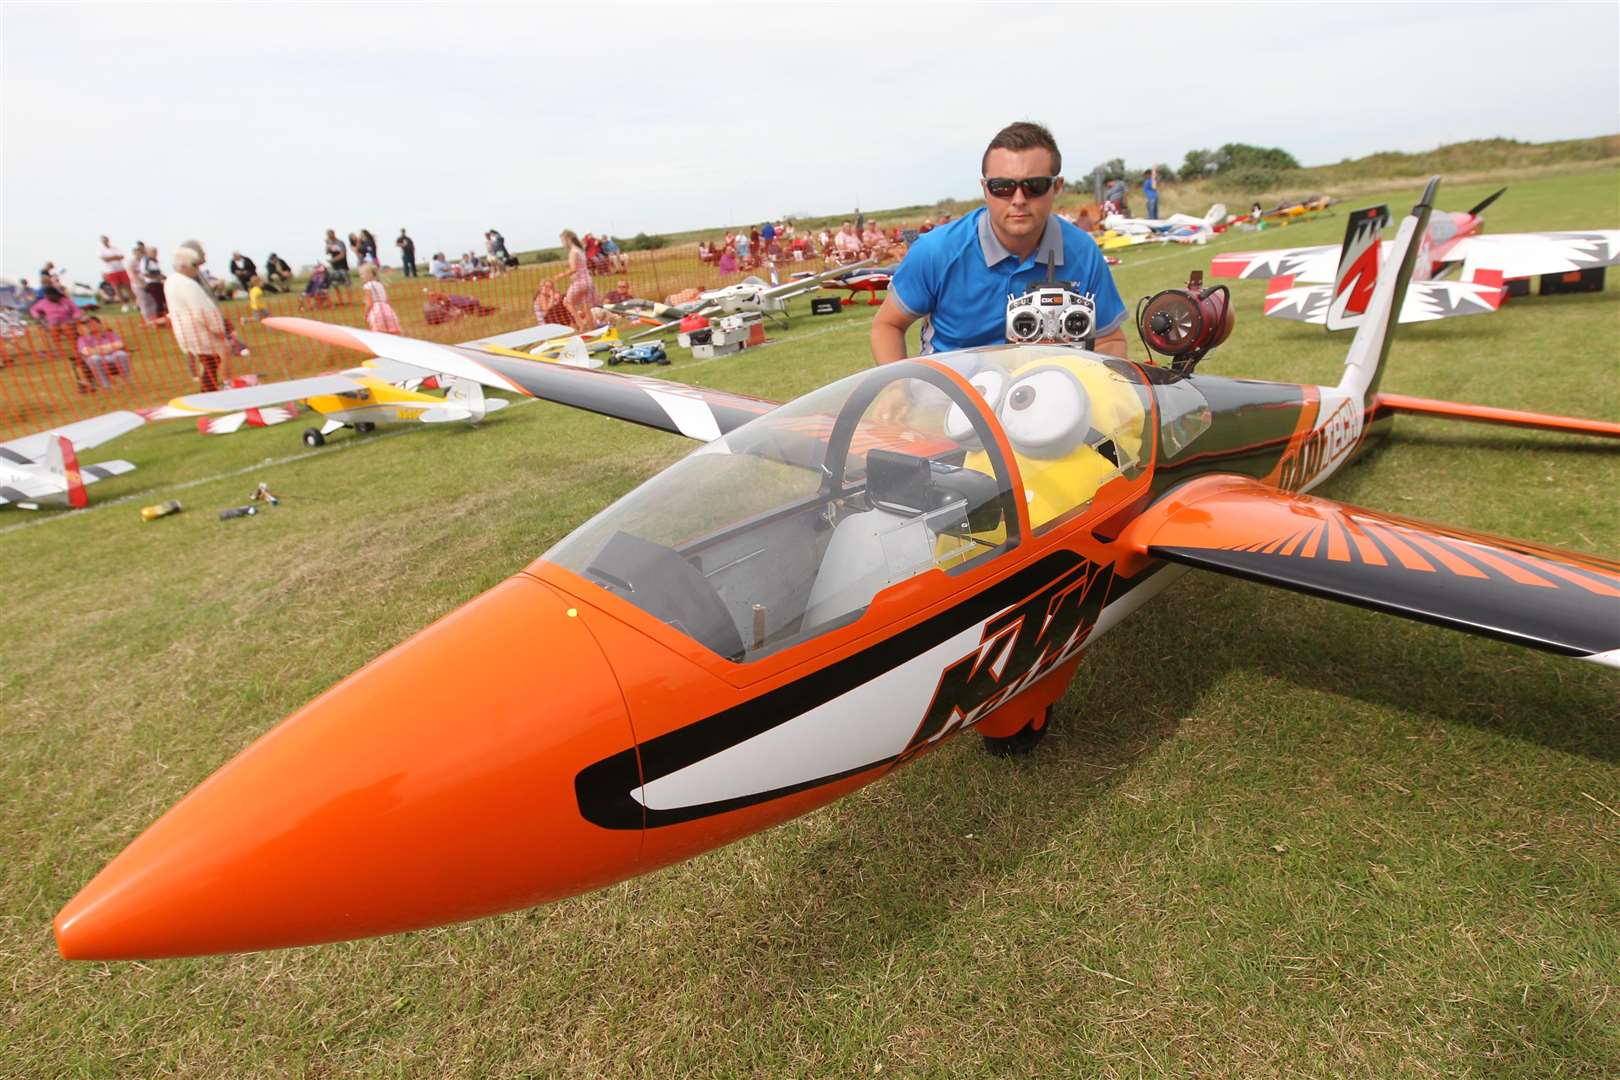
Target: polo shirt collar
[994, 251]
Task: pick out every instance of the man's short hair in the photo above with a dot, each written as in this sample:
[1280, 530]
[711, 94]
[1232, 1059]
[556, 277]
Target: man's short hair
[1024, 135]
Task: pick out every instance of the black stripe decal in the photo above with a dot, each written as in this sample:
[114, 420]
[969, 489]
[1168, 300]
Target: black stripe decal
[14, 457]
[1539, 566]
[1566, 620]
[605, 789]
[11, 494]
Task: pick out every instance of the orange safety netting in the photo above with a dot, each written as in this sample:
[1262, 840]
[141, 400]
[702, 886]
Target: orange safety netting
[50, 377]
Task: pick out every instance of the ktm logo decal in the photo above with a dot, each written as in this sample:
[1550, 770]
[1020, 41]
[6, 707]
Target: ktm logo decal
[1017, 649]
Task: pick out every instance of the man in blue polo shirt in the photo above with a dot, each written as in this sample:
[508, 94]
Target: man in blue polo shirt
[958, 276]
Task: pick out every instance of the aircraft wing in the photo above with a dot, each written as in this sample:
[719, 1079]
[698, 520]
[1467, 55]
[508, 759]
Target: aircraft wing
[1425, 301]
[522, 339]
[1520, 255]
[256, 397]
[693, 411]
[1531, 595]
[83, 434]
[1304, 264]
[29, 488]
[795, 286]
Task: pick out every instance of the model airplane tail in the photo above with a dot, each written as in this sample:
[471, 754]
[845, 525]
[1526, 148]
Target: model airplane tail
[1357, 276]
[61, 460]
[1363, 366]
[465, 400]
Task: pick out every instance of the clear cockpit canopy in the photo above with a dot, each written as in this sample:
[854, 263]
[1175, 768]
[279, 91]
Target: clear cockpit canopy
[791, 525]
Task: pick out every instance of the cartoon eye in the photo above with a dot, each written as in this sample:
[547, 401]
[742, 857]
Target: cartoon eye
[1046, 413]
[989, 384]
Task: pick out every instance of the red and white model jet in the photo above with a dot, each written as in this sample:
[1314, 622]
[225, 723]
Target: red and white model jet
[1331, 285]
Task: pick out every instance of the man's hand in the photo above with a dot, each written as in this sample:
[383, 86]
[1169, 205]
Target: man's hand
[889, 328]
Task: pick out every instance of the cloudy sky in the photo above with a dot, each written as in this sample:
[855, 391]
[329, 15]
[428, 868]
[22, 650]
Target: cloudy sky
[257, 126]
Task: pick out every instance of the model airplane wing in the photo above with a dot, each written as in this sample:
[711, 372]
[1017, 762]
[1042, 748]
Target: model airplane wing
[1542, 597]
[265, 394]
[693, 411]
[1521, 255]
[83, 434]
[796, 286]
[1303, 264]
[32, 488]
[525, 338]
[1425, 301]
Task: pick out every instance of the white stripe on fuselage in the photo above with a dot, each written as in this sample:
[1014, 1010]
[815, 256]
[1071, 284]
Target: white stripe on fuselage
[865, 726]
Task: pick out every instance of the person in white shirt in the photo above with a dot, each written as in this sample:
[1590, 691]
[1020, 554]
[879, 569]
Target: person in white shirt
[199, 328]
[112, 269]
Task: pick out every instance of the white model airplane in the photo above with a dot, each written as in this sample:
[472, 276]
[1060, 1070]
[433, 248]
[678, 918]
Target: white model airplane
[750, 294]
[44, 468]
[359, 398]
[1330, 285]
[552, 341]
[1179, 228]
[384, 391]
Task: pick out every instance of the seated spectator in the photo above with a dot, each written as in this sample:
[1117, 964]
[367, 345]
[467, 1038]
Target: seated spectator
[727, 263]
[60, 317]
[616, 295]
[102, 350]
[440, 268]
[926, 226]
[242, 268]
[549, 306]
[277, 274]
[873, 242]
[615, 257]
[705, 252]
[846, 245]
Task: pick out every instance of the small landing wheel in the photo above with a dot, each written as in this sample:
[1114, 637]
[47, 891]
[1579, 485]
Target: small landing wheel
[1021, 742]
[313, 437]
[364, 427]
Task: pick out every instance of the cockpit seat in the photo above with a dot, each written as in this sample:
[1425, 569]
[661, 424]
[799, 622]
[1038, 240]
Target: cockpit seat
[911, 504]
[657, 580]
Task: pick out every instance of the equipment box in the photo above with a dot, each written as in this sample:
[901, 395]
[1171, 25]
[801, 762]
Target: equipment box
[1576, 281]
[709, 352]
[825, 305]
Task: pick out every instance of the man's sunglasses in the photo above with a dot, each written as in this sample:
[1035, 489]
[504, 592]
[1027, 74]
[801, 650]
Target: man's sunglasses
[1034, 186]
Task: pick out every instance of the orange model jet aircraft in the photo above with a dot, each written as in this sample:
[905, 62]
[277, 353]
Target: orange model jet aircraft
[823, 592]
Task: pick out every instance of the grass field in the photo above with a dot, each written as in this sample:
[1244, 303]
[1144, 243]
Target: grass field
[1268, 835]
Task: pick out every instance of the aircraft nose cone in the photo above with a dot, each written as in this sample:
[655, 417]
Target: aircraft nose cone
[434, 785]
